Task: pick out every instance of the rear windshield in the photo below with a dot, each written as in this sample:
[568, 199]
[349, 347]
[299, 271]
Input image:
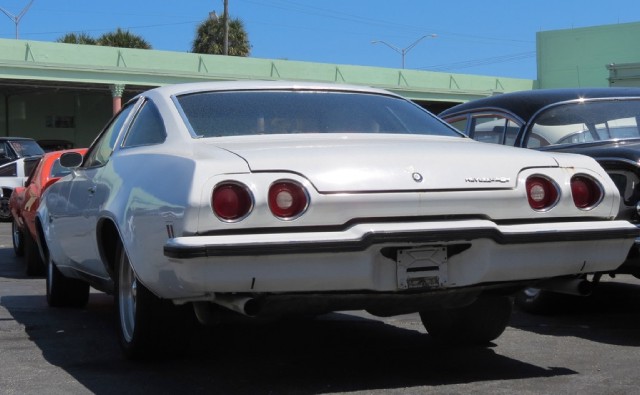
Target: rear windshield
[216, 114]
[25, 148]
[586, 121]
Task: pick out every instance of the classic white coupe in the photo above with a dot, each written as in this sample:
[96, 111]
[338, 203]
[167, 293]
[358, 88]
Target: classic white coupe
[276, 198]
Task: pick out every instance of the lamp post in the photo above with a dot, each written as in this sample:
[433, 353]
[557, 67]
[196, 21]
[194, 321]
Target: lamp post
[16, 18]
[404, 51]
[225, 18]
[226, 27]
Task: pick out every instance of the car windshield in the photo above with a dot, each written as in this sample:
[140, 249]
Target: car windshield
[25, 148]
[216, 114]
[586, 121]
[57, 170]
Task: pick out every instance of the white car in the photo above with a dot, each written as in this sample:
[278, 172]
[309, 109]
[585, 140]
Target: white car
[279, 198]
[18, 157]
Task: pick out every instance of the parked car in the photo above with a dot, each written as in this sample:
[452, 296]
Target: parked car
[13, 148]
[18, 156]
[50, 145]
[24, 203]
[278, 198]
[601, 123]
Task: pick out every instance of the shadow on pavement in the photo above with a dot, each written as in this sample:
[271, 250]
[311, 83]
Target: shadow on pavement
[611, 315]
[334, 353]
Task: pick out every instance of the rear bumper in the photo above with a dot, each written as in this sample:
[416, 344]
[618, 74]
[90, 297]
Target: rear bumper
[392, 257]
[362, 236]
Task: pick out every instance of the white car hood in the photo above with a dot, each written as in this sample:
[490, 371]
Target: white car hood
[389, 163]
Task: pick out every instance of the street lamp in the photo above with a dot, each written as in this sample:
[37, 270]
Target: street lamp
[16, 18]
[403, 51]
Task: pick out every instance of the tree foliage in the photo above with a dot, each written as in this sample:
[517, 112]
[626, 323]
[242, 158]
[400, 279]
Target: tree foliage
[123, 39]
[118, 38]
[80, 38]
[210, 38]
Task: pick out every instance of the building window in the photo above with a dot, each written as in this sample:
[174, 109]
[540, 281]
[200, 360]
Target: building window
[60, 121]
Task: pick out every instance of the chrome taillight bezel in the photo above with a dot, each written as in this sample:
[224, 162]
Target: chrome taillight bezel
[552, 187]
[301, 207]
[250, 200]
[595, 185]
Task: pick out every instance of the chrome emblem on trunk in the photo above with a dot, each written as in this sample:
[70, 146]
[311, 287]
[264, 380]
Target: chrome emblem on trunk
[486, 180]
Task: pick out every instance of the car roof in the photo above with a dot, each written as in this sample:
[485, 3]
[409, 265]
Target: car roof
[525, 104]
[193, 87]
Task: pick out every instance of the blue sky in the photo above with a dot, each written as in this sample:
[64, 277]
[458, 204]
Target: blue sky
[494, 37]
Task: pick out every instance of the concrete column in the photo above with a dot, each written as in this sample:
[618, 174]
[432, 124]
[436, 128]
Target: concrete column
[116, 94]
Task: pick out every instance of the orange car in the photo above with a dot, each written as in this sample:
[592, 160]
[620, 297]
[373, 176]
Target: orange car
[24, 203]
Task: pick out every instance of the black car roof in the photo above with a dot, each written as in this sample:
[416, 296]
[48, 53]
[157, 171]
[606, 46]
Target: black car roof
[11, 138]
[525, 104]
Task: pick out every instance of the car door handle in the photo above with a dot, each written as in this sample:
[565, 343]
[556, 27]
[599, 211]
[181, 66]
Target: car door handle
[92, 189]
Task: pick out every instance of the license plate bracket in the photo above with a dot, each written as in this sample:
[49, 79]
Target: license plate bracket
[422, 267]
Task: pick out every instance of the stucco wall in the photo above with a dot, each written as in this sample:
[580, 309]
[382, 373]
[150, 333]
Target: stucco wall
[579, 57]
[76, 117]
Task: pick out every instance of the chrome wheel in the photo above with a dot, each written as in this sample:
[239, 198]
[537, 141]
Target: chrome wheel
[147, 325]
[50, 278]
[17, 238]
[127, 293]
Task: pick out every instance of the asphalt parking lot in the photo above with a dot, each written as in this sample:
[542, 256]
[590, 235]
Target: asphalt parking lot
[592, 348]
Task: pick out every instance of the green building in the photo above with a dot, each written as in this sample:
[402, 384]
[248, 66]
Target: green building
[65, 91]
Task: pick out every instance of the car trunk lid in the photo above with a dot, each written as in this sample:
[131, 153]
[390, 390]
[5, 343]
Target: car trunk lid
[348, 163]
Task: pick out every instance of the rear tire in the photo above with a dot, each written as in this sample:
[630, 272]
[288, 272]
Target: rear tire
[147, 325]
[542, 302]
[64, 291]
[5, 211]
[17, 238]
[32, 258]
[479, 323]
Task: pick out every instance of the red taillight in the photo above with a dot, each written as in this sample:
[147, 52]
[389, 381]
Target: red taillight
[287, 199]
[541, 192]
[585, 191]
[231, 201]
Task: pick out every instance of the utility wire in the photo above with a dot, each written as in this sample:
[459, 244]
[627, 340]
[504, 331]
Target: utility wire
[480, 62]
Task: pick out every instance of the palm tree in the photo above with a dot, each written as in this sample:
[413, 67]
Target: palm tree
[123, 39]
[80, 38]
[210, 38]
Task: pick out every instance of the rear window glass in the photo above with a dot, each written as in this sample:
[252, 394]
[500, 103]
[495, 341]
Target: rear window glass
[25, 148]
[586, 121]
[216, 114]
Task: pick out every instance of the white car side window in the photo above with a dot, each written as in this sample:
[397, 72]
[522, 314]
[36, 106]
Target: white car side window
[489, 128]
[147, 127]
[102, 148]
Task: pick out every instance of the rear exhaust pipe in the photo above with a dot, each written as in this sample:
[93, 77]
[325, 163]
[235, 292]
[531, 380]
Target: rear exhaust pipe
[240, 304]
[576, 286]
